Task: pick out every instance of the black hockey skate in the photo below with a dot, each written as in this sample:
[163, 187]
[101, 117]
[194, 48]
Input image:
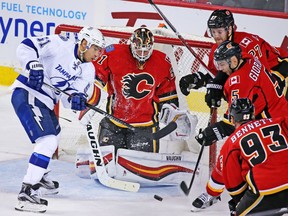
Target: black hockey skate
[29, 199]
[204, 201]
[47, 186]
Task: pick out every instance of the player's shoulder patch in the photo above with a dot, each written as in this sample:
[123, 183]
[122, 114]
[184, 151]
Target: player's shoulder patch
[110, 48]
[234, 80]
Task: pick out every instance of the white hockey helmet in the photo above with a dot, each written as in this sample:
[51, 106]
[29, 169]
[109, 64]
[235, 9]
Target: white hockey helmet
[141, 44]
[92, 36]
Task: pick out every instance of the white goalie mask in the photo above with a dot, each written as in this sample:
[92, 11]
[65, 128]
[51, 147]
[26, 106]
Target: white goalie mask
[141, 44]
[92, 36]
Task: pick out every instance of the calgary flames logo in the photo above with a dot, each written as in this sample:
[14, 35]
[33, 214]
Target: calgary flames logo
[137, 86]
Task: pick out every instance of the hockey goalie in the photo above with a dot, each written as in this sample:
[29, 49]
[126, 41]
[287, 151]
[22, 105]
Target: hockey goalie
[170, 166]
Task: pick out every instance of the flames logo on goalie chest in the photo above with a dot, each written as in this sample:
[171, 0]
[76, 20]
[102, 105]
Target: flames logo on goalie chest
[137, 86]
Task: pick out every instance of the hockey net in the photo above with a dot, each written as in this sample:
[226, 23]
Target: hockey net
[183, 62]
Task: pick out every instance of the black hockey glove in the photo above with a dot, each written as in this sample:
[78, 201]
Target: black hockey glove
[193, 81]
[214, 94]
[221, 78]
[213, 133]
[232, 207]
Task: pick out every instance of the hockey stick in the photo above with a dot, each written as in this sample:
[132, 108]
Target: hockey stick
[212, 150]
[93, 108]
[102, 174]
[157, 135]
[179, 36]
[169, 128]
[183, 184]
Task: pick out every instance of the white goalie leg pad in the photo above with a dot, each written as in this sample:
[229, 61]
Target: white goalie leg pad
[96, 97]
[154, 168]
[84, 164]
[186, 122]
[82, 168]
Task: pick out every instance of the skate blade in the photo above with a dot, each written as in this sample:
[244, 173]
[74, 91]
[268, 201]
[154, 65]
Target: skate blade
[194, 209]
[30, 207]
[46, 192]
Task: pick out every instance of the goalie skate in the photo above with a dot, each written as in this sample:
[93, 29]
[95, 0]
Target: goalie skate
[29, 199]
[204, 201]
[47, 186]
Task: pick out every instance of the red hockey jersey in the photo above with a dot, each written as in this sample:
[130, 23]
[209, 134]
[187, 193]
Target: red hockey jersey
[253, 81]
[256, 154]
[256, 46]
[133, 93]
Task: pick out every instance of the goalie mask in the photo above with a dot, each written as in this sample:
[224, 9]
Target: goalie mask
[242, 110]
[141, 44]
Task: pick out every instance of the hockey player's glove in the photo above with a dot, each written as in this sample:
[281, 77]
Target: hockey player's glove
[193, 81]
[213, 133]
[78, 101]
[214, 94]
[36, 75]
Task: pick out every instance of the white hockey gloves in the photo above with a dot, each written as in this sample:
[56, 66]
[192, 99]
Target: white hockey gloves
[97, 97]
[186, 122]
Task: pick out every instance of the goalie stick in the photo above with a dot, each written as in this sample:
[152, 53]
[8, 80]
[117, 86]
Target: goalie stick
[213, 110]
[157, 135]
[183, 184]
[102, 174]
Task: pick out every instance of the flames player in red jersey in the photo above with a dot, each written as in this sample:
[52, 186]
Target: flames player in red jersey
[221, 27]
[247, 78]
[139, 81]
[252, 163]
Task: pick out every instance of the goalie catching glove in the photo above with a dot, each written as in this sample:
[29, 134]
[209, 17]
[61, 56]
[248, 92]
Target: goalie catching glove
[186, 122]
[97, 98]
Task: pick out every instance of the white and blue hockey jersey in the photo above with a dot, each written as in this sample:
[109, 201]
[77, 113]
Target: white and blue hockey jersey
[62, 68]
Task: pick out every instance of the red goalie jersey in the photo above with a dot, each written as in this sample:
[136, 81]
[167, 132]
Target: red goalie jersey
[256, 154]
[134, 91]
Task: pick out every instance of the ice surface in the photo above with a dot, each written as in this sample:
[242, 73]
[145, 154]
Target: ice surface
[84, 196]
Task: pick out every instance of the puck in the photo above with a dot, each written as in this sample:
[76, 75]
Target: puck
[158, 197]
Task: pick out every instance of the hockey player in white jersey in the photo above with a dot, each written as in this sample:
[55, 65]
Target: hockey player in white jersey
[63, 64]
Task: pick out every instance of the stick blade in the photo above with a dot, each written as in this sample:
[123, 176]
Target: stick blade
[184, 188]
[165, 131]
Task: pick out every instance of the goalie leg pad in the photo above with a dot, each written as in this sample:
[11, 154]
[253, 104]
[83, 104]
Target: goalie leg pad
[84, 164]
[82, 168]
[154, 168]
